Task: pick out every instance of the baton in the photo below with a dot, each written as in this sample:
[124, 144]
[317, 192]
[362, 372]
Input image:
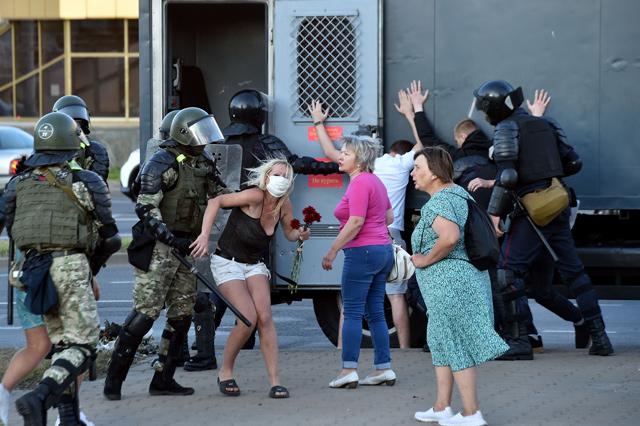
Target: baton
[536, 230]
[12, 254]
[211, 287]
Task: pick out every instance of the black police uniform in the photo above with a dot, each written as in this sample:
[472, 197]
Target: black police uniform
[537, 150]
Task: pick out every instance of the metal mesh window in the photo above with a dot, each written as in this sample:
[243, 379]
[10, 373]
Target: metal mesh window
[326, 64]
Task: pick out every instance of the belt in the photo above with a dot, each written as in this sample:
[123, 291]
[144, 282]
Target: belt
[227, 256]
[61, 253]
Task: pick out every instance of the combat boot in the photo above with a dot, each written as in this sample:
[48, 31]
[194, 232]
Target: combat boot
[582, 335]
[205, 359]
[163, 382]
[129, 338]
[519, 345]
[33, 405]
[600, 344]
[69, 410]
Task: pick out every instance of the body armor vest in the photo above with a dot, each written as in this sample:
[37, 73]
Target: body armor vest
[47, 218]
[538, 156]
[183, 207]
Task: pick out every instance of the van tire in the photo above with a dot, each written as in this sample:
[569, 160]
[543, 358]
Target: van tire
[327, 305]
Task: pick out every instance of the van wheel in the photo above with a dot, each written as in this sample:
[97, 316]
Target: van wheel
[327, 308]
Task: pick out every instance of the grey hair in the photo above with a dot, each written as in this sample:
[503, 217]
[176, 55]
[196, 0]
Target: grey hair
[366, 150]
[258, 177]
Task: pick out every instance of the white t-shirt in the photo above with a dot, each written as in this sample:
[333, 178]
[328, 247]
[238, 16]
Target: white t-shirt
[394, 174]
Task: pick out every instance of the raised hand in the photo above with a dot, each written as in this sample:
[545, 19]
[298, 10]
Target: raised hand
[318, 115]
[404, 106]
[540, 101]
[416, 95]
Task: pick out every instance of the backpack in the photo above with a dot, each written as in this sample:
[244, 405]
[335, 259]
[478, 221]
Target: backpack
[479, 237]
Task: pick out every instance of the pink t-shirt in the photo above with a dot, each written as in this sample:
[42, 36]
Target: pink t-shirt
[366, 197]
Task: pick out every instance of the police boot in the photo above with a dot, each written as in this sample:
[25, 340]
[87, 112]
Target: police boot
[516, 337]
[600, 341]
[33, 405]
[205, 359]
[69, 407]
[184, 352]
[135, 327]
[163, 382]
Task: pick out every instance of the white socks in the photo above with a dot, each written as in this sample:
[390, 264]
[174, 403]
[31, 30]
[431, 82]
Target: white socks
[5, 400]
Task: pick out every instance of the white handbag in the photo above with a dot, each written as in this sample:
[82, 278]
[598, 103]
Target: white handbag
[403, 267]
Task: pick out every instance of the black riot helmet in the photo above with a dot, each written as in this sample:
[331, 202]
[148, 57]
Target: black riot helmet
[497, 99]
[76, 108]
[165, 126]
[250, 107]
[192, 126]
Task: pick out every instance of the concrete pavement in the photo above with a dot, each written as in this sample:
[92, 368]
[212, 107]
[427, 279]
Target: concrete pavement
[563, 386]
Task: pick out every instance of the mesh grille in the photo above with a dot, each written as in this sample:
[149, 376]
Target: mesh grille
[326, 64]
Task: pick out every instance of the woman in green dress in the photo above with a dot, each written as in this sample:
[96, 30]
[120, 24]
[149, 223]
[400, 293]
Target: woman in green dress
[458, 296]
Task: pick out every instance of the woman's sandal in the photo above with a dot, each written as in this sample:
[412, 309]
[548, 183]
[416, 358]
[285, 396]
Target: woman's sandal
[278, 392]
[229, 387]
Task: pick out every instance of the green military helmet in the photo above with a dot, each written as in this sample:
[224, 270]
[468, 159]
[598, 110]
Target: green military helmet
[76, 108]
[165, 126]
[194, 127]
[57, 132]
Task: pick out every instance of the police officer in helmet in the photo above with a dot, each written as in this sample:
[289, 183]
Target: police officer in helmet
[175, 184]
[59, 216]
[93, 155]
[530, 153]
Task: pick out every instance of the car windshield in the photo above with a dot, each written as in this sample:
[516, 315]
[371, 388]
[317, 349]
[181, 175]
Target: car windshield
[11, 138]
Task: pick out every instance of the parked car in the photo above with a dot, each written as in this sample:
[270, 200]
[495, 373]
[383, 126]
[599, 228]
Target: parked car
[14, 143]
[129, 172]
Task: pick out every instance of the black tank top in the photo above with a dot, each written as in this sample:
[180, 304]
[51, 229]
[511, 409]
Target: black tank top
[244, 238]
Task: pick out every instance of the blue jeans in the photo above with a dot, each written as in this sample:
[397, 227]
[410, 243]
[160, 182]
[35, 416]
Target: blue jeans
[363, 288]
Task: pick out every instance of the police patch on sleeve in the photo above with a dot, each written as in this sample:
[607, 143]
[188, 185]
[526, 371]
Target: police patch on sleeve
[45, 131]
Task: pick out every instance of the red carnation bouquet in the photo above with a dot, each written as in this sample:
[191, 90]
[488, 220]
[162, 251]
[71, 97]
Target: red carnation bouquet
[310, 216]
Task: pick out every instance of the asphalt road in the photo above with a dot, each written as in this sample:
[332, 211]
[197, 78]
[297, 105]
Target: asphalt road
[296, 323]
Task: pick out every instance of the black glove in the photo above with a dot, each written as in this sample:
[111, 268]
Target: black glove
[182, 245]
[160, 231]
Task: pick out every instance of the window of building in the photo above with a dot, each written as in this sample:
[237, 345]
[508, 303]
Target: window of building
[26, 38]
[92, 35]
[100, 82]
[6, 102]
[27, 98]
[6, 68]
[52, 33]
[103, 57]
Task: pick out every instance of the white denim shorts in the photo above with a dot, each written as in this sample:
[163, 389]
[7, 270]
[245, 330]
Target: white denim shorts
[225, 270]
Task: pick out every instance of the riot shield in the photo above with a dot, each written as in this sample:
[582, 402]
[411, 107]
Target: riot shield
[229, 163]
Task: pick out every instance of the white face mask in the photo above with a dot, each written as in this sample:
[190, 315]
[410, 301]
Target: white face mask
[277, 186]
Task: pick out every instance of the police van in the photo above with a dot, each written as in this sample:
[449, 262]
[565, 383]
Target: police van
[354, 55]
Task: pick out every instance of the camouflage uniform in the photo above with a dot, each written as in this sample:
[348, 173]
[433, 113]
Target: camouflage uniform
[60, 217]
[175, 184]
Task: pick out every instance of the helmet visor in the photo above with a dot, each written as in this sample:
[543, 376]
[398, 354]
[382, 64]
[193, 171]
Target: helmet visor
[204, 130]
[76, 111]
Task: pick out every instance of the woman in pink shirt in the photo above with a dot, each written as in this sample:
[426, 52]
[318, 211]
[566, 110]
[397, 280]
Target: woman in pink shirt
[364, 213]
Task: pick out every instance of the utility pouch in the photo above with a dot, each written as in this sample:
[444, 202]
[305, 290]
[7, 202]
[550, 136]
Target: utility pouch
[544, 205]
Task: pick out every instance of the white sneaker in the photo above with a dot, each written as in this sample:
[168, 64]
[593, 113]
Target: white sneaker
[5, 402]
[349, 381]
[83, 420]
[433, 416]
[388, 377]
[475, 419]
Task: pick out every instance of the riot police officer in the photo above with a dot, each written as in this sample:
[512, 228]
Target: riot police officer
[175, 184]
[529, 153]
[248, 113]
[59, 215]
[93, 155]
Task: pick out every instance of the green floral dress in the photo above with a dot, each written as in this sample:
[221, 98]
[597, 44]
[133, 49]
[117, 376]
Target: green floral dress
[458, 296]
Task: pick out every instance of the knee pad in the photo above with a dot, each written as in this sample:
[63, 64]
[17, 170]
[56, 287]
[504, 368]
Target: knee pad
[137, 324]
[202, 302]
[579, 283]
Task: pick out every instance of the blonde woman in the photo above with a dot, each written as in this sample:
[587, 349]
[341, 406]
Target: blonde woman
[238, 265]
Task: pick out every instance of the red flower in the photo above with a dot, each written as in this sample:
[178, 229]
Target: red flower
[311, 215]
[295, 223]
[308, 210]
